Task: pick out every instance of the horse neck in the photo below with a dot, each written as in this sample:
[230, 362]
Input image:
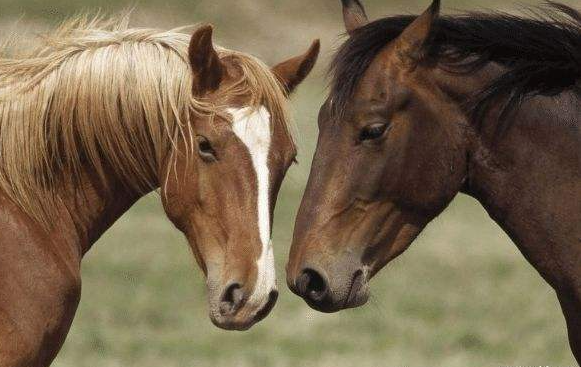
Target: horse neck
[529, 171]
[88, 208]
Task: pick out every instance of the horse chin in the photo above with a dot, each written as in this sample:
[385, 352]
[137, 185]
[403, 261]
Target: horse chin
[358, 294]
[243, 320]
[231, 324]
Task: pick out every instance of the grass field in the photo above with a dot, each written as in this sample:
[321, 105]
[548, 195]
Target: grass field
[461, 296]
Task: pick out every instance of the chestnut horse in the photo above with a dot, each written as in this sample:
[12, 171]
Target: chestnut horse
[422, 108]
[100, 115]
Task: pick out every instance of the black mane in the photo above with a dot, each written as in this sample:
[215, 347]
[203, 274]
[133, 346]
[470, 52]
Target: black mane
[542, 52]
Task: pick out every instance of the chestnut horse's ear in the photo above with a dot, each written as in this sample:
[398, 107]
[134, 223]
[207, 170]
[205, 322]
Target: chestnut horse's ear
[410, 44]
[353, 15]
[293, 71]
[206, 65]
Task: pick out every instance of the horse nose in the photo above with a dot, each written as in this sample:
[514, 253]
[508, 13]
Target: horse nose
[232, 299]
[312, 286]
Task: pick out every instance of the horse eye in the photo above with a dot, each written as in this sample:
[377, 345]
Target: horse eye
[372, 132]
[207, 153]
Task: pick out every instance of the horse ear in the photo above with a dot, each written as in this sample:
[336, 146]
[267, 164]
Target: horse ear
[353, 15]
[293, 71]
[205, 62]
[410, 44]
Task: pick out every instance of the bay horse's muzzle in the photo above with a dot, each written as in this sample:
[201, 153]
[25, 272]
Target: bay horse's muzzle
[330, 294]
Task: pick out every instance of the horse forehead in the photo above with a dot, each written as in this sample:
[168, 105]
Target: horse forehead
[253, 127]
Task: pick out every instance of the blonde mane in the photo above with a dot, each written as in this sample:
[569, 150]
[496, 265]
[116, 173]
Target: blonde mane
[98, 94]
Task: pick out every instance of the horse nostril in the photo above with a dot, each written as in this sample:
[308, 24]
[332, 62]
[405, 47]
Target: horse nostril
[232, 299]
[312, 285]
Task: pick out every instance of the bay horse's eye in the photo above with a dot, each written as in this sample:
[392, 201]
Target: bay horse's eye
[373, 131]
[205, 150]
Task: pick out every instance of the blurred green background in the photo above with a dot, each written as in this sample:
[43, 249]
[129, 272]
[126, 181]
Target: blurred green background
[461, 296]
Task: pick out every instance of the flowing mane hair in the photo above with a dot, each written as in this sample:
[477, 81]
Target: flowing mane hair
[96, 94]
[542, 53]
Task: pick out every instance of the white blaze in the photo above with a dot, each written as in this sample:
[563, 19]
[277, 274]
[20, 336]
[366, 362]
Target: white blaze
[252, 127]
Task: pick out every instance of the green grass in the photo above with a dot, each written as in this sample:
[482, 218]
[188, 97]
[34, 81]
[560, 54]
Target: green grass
[461, 296]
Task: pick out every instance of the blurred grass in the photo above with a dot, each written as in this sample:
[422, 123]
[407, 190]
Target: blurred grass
[461, 296]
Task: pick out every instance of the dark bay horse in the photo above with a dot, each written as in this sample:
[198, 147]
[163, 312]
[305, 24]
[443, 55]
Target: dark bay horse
[422, 108]
[101, 114]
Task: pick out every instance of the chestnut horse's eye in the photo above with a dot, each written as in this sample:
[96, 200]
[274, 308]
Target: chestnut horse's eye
[207, 153]
[372, 132]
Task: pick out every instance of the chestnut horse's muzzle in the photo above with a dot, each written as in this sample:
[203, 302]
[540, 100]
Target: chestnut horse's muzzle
[232, 308]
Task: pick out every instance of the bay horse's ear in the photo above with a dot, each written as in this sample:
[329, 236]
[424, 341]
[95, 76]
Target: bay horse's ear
[293, 71]
[205, 62]
[353, 15]
[410, 44]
